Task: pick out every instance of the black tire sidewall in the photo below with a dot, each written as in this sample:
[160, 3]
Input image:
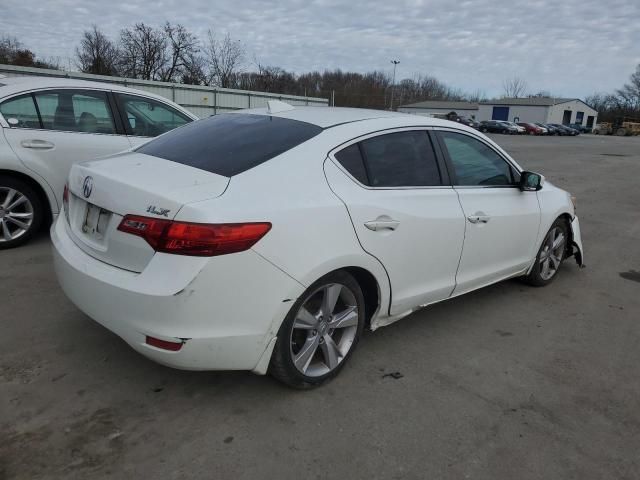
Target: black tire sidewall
[282, 366]
[38, 209]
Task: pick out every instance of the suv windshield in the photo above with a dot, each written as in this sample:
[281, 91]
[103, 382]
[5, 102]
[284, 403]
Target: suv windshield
[230, 143]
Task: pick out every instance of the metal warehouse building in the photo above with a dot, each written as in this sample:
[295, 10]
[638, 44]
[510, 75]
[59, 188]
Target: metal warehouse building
[538, 110]
[533, 109]
[431, 108]
[200, 100]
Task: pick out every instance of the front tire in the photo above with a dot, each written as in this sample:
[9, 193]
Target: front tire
[21, 212]
[550, 256]
[320, 332]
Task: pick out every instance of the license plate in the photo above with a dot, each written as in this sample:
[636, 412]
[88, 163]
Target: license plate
[95, 222]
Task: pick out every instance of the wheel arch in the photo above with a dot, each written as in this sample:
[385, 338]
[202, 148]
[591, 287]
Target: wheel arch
[370, 289]
[370, 275]
[37, 186]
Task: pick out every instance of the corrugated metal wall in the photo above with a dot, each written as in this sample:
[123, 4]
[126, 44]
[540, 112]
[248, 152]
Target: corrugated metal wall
[202, 101]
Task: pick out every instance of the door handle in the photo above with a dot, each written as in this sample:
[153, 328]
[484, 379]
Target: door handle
[37, 144]
[479, 217]
[382, 224]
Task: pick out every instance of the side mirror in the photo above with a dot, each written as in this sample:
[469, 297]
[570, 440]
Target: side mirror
[531, 182]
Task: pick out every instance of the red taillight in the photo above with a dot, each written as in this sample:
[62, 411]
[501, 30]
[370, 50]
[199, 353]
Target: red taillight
[164, 344]
[196, 239]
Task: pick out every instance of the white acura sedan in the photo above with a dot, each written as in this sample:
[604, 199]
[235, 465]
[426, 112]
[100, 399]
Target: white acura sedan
[48, 124]
[266, 240]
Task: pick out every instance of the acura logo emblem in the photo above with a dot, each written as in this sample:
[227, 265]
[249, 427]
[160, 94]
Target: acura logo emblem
[87, 187]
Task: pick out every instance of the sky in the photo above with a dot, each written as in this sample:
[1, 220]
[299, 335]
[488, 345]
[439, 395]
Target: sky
[565, 47]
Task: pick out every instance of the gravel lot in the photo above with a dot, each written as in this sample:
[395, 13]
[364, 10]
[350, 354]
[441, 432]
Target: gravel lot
[510, 382]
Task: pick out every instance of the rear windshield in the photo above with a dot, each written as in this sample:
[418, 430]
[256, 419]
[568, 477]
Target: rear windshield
[230, 143]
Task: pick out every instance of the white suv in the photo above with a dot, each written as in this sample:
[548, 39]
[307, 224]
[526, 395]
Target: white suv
[50, 123]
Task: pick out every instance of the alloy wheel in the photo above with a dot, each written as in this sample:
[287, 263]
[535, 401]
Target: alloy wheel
[324, 329]
[16, 214]
[552, 253]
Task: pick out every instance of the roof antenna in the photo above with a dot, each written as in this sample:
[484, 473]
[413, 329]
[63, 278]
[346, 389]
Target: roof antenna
[276, 106]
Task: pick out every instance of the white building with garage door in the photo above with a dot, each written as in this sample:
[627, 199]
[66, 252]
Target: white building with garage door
[440, 107]
[539, 110]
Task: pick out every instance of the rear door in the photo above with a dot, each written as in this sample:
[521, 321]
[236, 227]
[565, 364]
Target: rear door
[404, 212]
[501, 221]
[56, 128]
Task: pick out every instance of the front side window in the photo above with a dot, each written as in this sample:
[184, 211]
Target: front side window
[20, 112]
[145, 117]
[75, 111]
[230, 143]
[474, 162]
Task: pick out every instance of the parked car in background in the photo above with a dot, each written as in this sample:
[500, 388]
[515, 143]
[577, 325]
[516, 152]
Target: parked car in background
[579, 127]
[531, 128]
[565, 130]
[493, 126]
[550, 130]
[454, 117]
[518, 129]
[470, 122]
[191, 249]
[48, 124]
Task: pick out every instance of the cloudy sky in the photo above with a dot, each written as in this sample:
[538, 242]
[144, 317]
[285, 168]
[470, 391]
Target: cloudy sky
[567, 47]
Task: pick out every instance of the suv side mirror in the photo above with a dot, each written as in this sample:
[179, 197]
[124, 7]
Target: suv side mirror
[531, 182]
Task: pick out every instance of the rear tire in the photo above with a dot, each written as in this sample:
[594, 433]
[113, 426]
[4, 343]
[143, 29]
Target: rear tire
[550, 255]
[320, 332]
[21, 212]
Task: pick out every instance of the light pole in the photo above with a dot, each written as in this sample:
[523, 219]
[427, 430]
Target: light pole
[393, 84]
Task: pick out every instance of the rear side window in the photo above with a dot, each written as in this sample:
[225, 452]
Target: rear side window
[231, 143]
[403, 159]
[20, 112]
[351, 159]
[75, 111]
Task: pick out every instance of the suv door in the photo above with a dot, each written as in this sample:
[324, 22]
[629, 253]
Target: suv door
[502, 222]
[64, 126]
[404, 212]
[146, 118]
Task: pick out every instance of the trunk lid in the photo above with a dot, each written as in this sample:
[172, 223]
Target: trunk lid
[102, 191]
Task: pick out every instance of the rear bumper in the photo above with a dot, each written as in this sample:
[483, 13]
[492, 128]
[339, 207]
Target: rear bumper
[226, 309]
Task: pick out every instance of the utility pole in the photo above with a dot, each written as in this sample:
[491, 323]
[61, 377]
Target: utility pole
[393, 84]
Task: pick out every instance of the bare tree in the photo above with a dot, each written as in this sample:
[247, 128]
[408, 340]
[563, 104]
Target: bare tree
[476, 96]
[13, 52]
[96, 53]
[630, 92]
[224, 60]
[193, 71]
[514, 87]
[143, 52]
[182, 48]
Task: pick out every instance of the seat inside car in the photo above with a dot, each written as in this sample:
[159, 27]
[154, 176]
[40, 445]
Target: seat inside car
[64, 119]
[87, 123]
